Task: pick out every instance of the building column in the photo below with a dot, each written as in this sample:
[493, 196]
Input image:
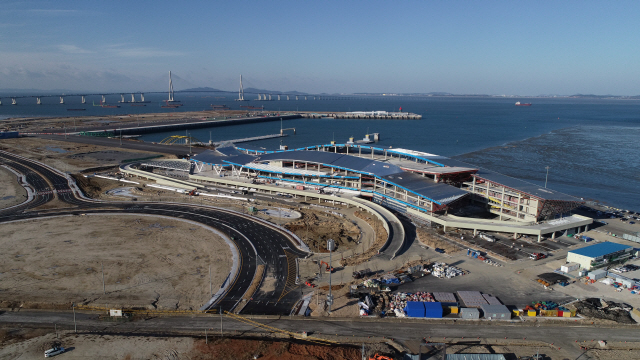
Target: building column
[475, 232]
[553, 235]
[515, 235]
[539, 237]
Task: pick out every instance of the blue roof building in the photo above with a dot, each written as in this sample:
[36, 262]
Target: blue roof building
[598, 255]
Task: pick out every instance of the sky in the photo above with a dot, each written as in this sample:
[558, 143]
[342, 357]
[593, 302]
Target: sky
[461, 47]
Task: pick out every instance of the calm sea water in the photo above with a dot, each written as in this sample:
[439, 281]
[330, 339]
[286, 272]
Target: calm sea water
[591, 146]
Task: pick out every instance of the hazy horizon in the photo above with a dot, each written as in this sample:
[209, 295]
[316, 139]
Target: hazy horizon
[488, 48]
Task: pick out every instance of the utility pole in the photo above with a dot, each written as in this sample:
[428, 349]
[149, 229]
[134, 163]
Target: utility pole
[220, 321]
[120, 137]
[75, 326]
[210, 288]
[206, 337]
[547, 177]
[104, 291]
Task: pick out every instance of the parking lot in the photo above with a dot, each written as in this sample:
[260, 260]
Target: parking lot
[516, 249]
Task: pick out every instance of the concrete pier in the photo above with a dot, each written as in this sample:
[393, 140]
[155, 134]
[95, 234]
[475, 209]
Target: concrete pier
[384, 115]
[196, 124]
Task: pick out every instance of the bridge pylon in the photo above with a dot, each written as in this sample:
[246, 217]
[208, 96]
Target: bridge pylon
[38, 100]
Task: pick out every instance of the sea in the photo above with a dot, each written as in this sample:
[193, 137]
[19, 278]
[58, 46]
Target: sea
[590, 148]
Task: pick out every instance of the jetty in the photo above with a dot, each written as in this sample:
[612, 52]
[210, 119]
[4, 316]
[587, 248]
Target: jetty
[383, 115]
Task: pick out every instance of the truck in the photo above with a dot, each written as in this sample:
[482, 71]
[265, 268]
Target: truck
[537, 256]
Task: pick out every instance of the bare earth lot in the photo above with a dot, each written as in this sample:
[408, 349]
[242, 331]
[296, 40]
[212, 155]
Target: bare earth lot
[148, 261]
[70, 157]
[11, 192]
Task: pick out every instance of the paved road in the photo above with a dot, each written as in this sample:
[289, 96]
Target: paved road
[560, 335]
[257, 242]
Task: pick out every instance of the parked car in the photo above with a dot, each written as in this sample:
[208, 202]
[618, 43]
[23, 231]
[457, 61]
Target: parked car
[441, 251]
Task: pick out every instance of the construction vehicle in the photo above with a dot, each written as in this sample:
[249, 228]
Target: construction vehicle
[193, 192]
[537, 256]
[380, 357]
[361, 274]
[328, 268]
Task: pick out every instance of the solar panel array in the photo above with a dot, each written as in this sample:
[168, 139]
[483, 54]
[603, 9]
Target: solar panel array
[445, 297]
[472, 298]
[492, 300]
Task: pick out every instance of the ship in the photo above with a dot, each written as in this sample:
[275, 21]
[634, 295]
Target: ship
[80, 109]
[220, 107]
[111, 106]
[523, 104]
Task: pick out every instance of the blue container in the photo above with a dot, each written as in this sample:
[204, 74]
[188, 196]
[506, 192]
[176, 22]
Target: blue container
[414, 309]
[432, 309]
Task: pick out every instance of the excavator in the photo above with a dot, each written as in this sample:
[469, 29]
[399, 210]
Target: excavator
[328, 268]
[193, 192]
[380, 357]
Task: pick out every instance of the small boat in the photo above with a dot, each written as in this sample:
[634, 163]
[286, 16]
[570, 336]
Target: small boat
[523, 104]
[138, 105]
[76, 109]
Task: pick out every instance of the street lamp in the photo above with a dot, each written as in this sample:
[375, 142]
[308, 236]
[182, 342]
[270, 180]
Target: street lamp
[330, 246]
[547, 177]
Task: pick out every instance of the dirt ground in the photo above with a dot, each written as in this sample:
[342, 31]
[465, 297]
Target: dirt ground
[429, 239]
[59, 261]
[30, 344]
[323, 226]
[11, 192]
[58, 124]
[71, 157]
[381, 238]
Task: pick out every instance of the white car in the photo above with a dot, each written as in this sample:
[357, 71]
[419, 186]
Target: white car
[53, 351]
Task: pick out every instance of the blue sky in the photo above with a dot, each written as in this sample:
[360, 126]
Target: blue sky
[473, 47]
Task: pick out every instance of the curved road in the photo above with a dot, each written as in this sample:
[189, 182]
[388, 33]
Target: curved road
[257, 242]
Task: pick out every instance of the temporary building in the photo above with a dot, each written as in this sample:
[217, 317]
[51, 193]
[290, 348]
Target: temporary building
[625, 282]
[496, 312]
[432, 309]
[469, 313]
[569, 267]
[415, 309]
[597, 274]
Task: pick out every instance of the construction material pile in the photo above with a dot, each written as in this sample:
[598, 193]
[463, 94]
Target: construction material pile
[398, 302]
[442, 270]
[607, 310]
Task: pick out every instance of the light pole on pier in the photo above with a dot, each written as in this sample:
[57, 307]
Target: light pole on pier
[547, 177]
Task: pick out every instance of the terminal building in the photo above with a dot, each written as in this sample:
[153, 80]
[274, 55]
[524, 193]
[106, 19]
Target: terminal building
[599, 255]
[398, 178]
[423, 186]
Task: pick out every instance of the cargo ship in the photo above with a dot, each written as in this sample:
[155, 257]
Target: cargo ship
[523, 104]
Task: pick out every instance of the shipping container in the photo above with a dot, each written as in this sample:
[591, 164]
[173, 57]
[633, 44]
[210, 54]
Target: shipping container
[414, 309]
[597, 274]
[531, 313]
[432, 309]
[569, 267]
[299, 187]
[453, 309]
